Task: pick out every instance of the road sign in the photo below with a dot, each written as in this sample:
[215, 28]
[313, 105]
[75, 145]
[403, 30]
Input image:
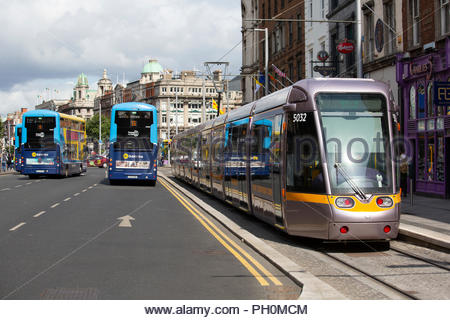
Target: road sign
[322, 55]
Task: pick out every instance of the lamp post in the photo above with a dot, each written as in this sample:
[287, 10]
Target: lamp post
[266, 58]
[100, 127]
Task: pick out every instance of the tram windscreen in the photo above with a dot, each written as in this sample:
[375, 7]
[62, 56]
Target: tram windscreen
[40, 132]
[133, 130]
[356, 134]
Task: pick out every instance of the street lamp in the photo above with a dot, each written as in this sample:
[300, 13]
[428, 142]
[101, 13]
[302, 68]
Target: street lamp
[100, 127]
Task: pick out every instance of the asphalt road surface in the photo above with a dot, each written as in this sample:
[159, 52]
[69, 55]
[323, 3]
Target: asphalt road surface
[81, 238]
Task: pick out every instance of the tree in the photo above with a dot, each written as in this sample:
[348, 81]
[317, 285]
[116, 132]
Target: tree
[92, 128]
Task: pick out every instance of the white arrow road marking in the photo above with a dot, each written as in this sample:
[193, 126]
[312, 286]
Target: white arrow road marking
[125, 221]
[17, 227]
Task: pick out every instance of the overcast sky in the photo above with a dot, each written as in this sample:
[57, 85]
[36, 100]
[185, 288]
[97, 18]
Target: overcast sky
[48, 43]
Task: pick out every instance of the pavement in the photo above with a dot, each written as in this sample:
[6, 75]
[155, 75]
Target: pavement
[426, 220]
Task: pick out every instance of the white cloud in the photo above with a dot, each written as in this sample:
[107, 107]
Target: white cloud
[60, 39]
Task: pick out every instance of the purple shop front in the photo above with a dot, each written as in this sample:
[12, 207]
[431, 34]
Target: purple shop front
[425, 89]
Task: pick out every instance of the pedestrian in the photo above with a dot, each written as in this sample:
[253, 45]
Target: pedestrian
[404, 174]
[9, 162]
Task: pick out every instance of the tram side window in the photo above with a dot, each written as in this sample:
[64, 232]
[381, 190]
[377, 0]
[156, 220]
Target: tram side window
[303, 164]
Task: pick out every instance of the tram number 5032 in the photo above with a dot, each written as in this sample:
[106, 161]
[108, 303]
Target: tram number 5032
[299, 117]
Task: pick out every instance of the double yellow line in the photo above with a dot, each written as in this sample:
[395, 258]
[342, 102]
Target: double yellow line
[226, 241]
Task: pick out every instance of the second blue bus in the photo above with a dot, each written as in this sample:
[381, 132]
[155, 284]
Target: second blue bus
[133, 143]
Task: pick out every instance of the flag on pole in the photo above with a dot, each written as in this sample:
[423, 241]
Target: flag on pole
[279, 72]
[215, 106]
[271, 77]
[259, 82]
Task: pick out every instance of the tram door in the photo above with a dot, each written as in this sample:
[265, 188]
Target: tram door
[265, 156]
[276, 167]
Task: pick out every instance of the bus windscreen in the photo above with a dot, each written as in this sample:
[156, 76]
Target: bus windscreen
[40, 132]
[133, 129]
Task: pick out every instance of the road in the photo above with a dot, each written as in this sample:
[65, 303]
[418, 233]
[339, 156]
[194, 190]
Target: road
[81, 238]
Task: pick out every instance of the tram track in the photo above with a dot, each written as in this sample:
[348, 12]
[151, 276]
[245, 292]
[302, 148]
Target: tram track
[339, 257]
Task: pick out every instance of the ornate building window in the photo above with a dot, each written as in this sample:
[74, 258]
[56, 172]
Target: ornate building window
[412, 103]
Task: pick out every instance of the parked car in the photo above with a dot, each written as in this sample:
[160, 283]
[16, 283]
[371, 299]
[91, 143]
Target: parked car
[98, 161]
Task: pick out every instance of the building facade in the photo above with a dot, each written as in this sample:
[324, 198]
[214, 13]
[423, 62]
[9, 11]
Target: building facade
[286, 45]
[382, 32]
[423, 76]
[340, 32]
[12, 119]
[177, 97]
[250, 49]
[316, 35]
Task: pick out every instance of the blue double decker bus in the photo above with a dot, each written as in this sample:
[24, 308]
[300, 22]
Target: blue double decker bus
[18, 147]
[133, 146]
[53, 144]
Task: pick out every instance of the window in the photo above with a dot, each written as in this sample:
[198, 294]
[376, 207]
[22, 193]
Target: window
[290, 33]
[445, 19]
[414, 9]
[389, 18]
[322, 9]
[291, 70]
[299, 27]
[310, 12]
[369, 36]
[299, 69]
[412, 103]
[430, 111]
[303, 162]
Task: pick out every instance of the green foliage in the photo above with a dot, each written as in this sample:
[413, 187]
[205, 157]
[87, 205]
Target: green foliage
[2, 129]
[92, 127]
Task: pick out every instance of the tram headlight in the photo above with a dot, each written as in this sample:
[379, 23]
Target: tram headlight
[384, 202]
[344, 202]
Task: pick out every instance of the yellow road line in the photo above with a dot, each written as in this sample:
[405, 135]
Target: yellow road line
[252, 270]
[248, 256]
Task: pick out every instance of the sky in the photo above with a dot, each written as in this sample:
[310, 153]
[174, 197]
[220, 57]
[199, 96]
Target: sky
[46, 44]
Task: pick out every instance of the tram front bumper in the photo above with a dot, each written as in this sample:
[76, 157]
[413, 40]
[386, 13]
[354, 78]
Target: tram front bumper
[382, 230]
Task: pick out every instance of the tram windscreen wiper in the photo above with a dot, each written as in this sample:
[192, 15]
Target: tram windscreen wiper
[350, 181]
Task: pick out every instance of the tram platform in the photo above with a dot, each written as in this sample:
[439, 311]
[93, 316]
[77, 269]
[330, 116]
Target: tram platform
[426, 220]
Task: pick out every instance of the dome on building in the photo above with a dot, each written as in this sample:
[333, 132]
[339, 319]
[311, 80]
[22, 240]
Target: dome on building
[152, 67]
[82, 80]
[104, 80]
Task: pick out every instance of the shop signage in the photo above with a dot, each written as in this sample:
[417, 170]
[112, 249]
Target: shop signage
[441, 93]
[325, 70]
[417, 69]
[345, 47]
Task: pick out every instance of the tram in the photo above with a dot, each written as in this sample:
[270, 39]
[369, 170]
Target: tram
[315, 159]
